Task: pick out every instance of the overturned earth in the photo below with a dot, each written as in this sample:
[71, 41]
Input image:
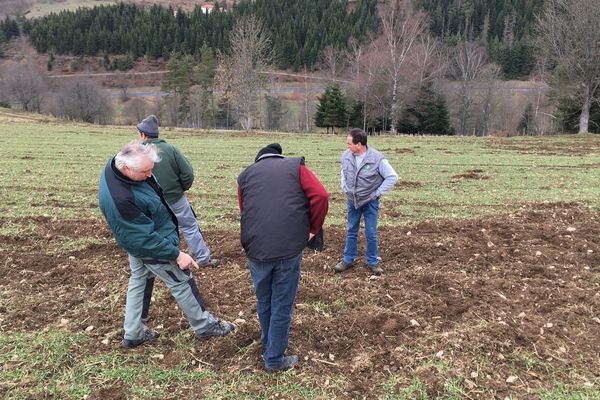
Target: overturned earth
[499, 299]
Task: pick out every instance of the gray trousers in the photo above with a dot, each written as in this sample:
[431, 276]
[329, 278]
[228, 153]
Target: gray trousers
[182, 286]
[189, 226]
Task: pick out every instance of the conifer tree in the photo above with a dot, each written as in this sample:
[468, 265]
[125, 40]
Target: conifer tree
[331, 109]
[428, 115]
[178, 81]
[274, 112]
[527, 123]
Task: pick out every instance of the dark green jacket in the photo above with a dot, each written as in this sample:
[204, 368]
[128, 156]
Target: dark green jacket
[138, 215]
[174, 172]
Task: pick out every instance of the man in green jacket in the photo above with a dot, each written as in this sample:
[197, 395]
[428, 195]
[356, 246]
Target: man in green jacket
[176, 175]
[143, 224]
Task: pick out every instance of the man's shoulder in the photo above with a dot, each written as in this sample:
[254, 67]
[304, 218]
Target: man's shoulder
[373, 152]
[160, 143]
[346, 154]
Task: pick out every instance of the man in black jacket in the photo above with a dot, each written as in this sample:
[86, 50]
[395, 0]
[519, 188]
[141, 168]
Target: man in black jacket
[283, 206]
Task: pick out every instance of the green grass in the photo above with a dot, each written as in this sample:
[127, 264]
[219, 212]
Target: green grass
[53, 170]
[50, 363]
[561, 392]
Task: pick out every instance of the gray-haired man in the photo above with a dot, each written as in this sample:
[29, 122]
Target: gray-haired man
[144, 225]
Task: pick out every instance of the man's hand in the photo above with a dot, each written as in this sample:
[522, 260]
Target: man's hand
[310, 236]
[184, 261]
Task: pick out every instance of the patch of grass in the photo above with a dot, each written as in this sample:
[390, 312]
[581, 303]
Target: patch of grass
[14, 230]
[260, 386]
[75, 244]
[34, 362]
[454, 389]
[321, 307]
[394, 390]
[50, 364]
[562, 392]
[442, 366]
[531, 362]
[418, 388]
[340, 305]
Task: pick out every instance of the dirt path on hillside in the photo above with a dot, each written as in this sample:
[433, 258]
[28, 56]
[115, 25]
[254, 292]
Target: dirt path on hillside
[512, 302]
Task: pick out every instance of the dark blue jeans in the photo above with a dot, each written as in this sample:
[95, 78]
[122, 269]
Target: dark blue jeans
[275, 284]
[370, 212]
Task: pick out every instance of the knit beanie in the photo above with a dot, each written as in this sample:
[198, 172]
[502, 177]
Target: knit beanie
[273, 148]
[149, 126]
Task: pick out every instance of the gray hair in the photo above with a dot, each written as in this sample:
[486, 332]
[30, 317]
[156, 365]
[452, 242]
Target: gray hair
[133, 153]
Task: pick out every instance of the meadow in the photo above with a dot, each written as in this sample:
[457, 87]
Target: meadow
[491, 289]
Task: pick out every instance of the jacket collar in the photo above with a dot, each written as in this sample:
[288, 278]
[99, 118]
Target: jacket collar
[269, 155]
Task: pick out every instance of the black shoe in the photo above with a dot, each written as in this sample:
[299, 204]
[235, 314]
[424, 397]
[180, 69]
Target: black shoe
[376, 269]
[342, 266]
[219, 328]
[213, 262]
[148, 337]
[288, 363]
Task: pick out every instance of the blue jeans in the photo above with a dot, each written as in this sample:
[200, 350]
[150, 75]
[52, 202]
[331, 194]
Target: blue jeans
[370, 213]
[275, 284]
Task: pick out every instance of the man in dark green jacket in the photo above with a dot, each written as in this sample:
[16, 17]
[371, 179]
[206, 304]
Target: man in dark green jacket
[176, 175]
[143, 224]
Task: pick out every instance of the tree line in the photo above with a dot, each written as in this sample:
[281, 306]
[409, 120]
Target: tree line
[300, 28]
[504, 27]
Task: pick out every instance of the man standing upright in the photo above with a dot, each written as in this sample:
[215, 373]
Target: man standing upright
[142, 223]
[283, 206]
[176, 175]
[365, 176]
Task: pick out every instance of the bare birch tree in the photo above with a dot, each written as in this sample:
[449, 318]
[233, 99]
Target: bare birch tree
[250, 54]
[333, 61]
[428, 59]
[467, 65]
[401, 28]
[488, 79]
[307, 105]
[570, 37]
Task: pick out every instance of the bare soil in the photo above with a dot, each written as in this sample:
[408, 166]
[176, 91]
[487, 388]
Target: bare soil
[513, 295]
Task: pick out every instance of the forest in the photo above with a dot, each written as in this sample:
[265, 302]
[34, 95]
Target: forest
[424, 67]
[505, 27]
[300, 29]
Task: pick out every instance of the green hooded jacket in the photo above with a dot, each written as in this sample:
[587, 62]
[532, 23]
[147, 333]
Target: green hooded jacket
[174, 172]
